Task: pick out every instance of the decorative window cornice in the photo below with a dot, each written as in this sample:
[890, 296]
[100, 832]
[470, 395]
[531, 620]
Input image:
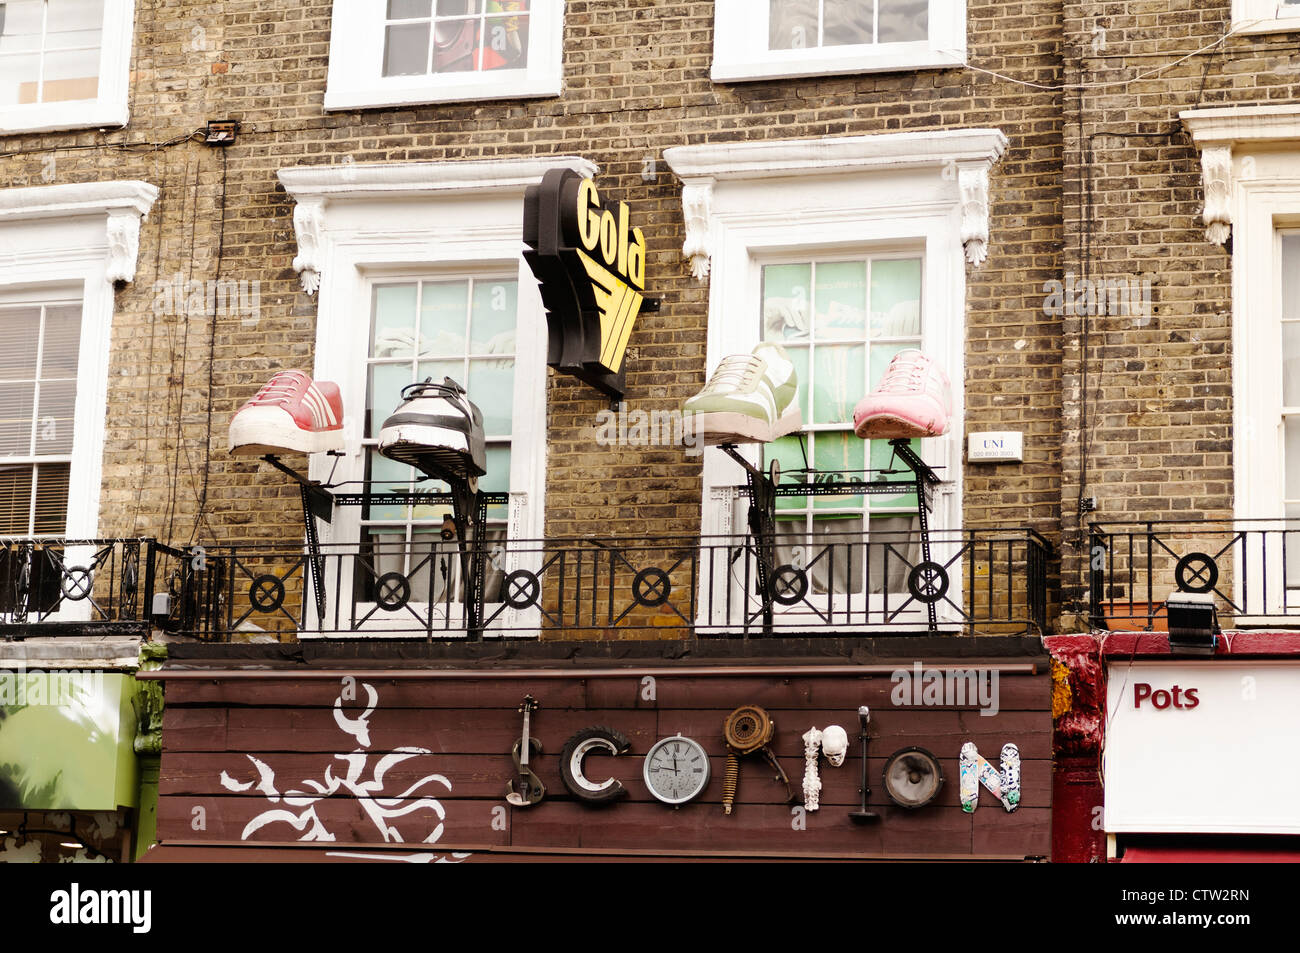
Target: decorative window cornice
[123, 204]
[963, 156]
[313, 188]
[1222, 132]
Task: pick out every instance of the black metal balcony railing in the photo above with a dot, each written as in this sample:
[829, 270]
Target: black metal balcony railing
[630, 587]
[1251, 567]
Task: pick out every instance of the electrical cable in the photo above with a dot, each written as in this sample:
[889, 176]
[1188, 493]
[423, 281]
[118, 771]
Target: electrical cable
[212, 352]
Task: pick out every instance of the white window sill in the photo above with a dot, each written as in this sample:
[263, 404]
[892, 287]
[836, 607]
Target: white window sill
[787, 64]
[1278, 24]
[54, 117]
[421, 93]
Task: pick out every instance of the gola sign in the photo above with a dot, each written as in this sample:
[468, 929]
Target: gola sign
[590, 266]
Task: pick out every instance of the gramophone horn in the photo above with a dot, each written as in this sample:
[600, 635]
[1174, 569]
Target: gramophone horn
[913, 777]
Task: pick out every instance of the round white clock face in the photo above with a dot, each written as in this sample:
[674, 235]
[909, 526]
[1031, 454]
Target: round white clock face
[676, 769]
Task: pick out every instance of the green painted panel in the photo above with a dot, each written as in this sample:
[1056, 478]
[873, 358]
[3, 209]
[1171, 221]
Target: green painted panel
[66, 741]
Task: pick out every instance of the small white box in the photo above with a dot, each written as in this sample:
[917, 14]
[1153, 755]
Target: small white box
[995, 446]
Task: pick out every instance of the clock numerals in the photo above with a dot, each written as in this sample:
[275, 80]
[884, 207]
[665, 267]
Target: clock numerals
[676, 770]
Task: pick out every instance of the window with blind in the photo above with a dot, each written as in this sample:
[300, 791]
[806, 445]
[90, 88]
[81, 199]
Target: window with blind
[463, 328]
[38, 391]
[842, 321]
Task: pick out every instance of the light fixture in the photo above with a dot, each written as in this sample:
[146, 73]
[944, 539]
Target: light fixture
[72, 845]
[1193, 623]
[913, 777]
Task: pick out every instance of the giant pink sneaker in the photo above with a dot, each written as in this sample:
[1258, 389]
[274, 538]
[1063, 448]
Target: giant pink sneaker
[291, 413]
[913, 399]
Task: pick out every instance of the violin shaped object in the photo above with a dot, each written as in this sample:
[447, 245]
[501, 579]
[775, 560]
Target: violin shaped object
[527, 788]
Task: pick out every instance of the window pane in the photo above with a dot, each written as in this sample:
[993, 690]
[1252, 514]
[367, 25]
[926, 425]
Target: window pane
[457, 8]
[492, 327]
[455, 47]
[896, 298]
[20, 330]
[59, 350]
[406, 50]
[1291, 363]
[394, 334]
[15, 500]
[883, 458]
[903, 20]
[1291, 277]
[73, 23]
[70, 75]
[799, 358]
[839, 383]
[838, 453]
[18, 84]
[51, 498]
[20, 26]
[54, 417]
[16, 402]
[437, 370]
[405, 9]
[785, 301]
[386, 383]
[1291, 431]
[443, 318]
[505, 42]
[841, 298]
[492, 387]
[792, 24]
[389, 476]
[847, 22]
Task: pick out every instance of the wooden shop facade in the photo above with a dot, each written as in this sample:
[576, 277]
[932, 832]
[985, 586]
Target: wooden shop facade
[356, 751]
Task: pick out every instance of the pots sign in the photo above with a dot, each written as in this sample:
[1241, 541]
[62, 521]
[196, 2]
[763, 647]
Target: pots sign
[590, 267]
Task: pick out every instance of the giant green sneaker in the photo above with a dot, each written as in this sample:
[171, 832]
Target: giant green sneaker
[749, 399]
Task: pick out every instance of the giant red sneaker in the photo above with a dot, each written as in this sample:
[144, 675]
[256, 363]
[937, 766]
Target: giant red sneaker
[290, 413]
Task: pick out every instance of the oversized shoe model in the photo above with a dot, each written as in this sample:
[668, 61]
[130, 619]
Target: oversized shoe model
[437, 430]
[291, 413]
[913, 399]
[749, 399]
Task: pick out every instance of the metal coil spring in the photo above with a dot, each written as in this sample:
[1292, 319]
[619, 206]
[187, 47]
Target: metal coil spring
[730, 781]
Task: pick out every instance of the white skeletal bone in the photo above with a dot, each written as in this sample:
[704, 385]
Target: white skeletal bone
[812, 782]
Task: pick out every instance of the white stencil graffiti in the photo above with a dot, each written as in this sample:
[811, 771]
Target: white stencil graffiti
[299, 810]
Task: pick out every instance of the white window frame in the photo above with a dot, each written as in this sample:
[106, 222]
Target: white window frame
[746, 203]
[740, 53]
[85, 238]
[358, 223]
[1264, 16]
[1250, 163]
[356, 79]
[110, 108]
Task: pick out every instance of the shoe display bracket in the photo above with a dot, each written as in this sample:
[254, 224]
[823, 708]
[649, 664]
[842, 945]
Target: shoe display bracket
[763, 491]
[469, 514]
[317, 502]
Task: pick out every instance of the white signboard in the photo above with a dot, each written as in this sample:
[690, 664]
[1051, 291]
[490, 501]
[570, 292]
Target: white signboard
[1202, 747]
[994, 446]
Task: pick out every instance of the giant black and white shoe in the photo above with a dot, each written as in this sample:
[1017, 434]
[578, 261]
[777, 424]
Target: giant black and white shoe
[436, 429]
